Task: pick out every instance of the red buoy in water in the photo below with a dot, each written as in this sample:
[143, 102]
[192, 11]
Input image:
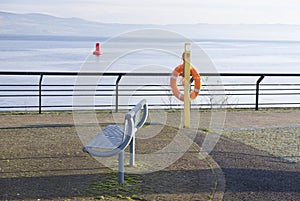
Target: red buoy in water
[97, 52]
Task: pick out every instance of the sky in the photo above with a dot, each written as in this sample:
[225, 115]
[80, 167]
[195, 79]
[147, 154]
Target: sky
[165, 11]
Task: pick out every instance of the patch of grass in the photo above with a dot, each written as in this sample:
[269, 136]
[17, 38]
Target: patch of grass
[108, 188]
[207, 130]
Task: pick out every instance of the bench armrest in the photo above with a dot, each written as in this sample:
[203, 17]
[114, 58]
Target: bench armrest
[141, 105]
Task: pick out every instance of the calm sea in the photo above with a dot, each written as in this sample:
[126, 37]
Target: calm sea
[61, 54]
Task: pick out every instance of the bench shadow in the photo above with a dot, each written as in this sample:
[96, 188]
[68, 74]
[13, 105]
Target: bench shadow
[90, 185]
[161, 182]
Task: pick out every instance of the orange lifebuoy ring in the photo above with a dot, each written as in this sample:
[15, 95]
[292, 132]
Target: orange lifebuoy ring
[173, 82]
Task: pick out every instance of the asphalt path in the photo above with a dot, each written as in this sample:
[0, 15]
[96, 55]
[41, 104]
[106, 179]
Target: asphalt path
[251, 174]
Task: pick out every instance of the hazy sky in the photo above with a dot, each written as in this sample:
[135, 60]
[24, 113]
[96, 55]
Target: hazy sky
[165, 11]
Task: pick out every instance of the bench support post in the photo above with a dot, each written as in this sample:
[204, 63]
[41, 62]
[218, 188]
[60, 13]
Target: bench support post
[132, 151]
[121, 167]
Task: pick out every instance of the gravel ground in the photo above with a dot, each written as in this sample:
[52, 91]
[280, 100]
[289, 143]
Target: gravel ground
[252, 174]
[41, 158]
[259, 155]
[281, 142]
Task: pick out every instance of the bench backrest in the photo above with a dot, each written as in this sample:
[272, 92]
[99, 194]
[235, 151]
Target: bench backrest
[134, 120]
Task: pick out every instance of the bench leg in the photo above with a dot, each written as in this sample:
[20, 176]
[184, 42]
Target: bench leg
[132, 152]
[121, 167]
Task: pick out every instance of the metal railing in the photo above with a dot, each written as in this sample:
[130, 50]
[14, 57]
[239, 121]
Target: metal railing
[40, 91]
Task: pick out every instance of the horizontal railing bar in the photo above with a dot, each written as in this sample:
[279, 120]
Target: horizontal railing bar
[153, 105]
[147, 85]
[79, 85]
[112, 85]
[142, 74]
[19, 85]
[279, 89]
[20, 95]
[22, 106]
[140, 90]
[112, 95]
[102, 90]
[291, 85]
[126, 85]
[279, 94]
[270, 84]
[162, 105]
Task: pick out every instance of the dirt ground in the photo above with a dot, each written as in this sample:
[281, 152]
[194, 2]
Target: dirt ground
[42, 159]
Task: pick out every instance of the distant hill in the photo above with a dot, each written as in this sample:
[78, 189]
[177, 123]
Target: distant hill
[41, 24]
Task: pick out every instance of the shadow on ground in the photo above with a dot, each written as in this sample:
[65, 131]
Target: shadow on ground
[94, 185]
[162, 182]
[252, 174]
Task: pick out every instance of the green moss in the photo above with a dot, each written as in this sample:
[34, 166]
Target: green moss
[108, 188]
[205, 130]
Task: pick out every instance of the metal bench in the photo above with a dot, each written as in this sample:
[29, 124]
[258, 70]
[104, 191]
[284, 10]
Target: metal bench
[117, 138]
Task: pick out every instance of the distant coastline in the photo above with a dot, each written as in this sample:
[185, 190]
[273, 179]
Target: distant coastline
[16, 37]
[50, 37]
[40, 25]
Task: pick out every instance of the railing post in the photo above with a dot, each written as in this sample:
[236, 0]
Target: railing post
[40, 93]
[117, 92]
[257, 90]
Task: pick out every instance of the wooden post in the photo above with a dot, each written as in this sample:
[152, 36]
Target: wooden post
[187, 101]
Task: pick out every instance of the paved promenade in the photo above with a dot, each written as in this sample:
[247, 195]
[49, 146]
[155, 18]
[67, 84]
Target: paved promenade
[42, 159]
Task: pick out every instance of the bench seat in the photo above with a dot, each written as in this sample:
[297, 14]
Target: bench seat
[109, 138]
